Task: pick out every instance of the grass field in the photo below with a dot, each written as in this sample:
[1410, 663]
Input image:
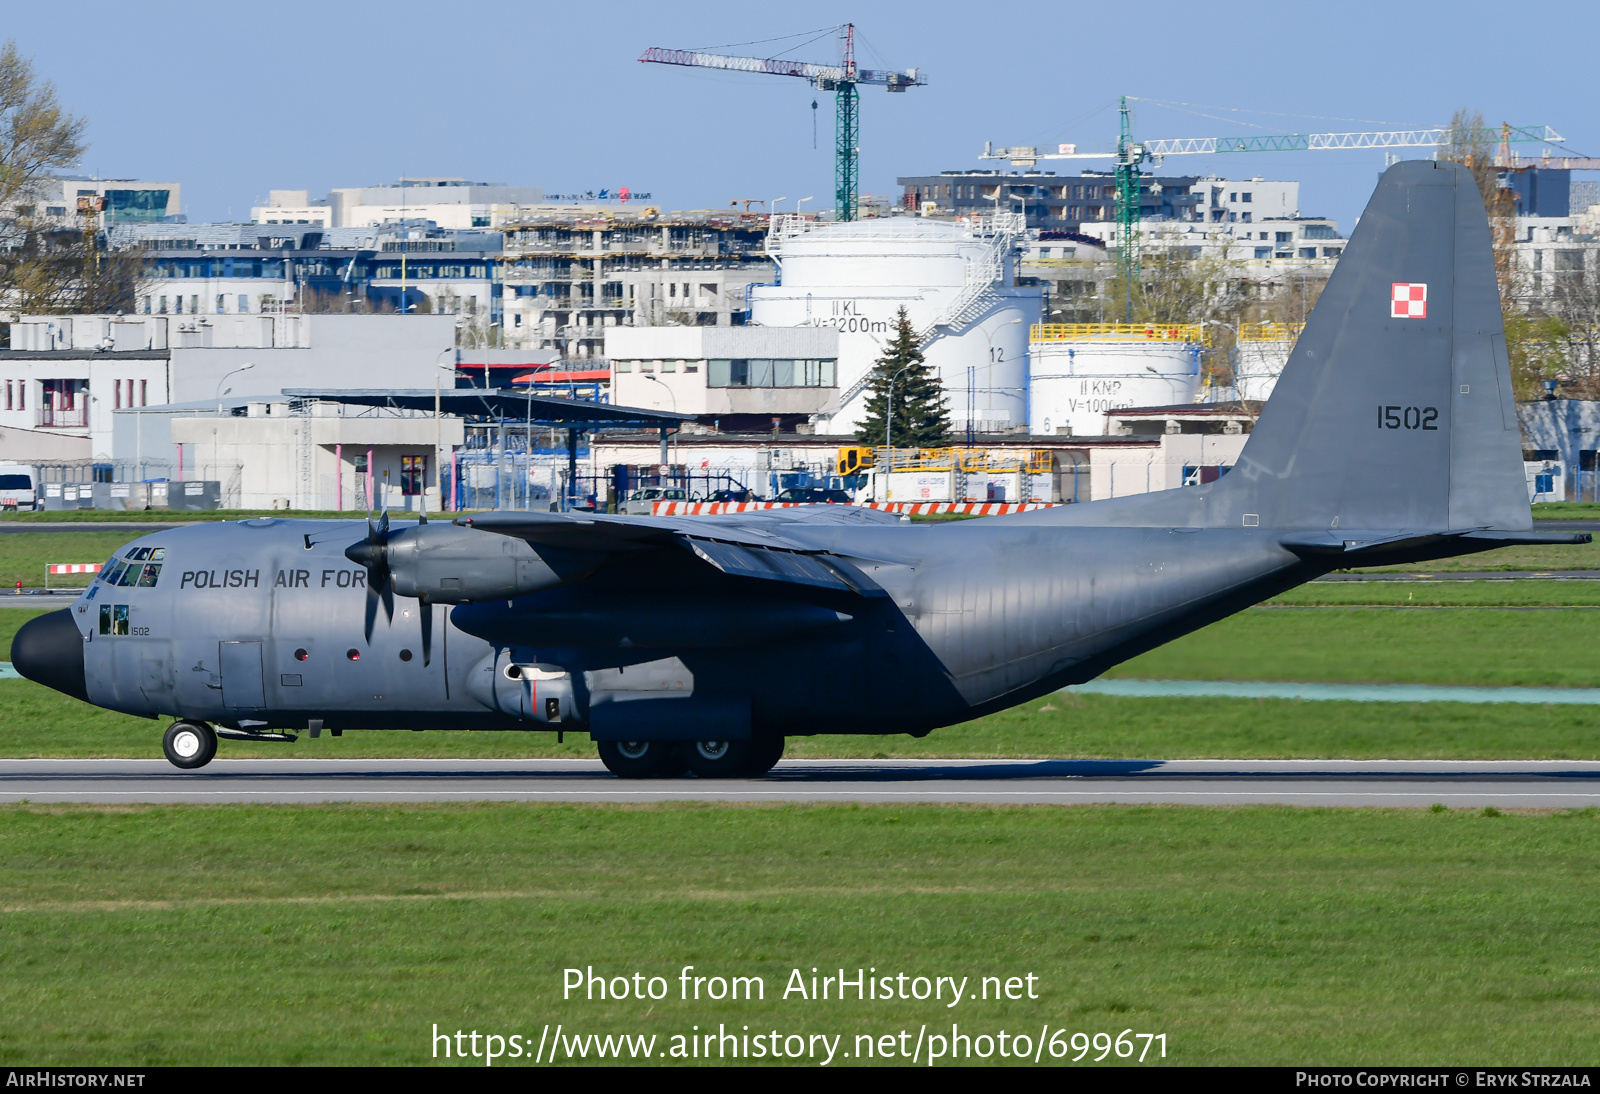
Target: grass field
[1475, 645]
[341, 935]
[1567, 510]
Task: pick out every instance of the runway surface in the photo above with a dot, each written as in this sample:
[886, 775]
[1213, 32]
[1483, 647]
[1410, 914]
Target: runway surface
[1457, 784]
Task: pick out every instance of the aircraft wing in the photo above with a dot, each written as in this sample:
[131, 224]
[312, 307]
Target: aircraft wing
[741, 545]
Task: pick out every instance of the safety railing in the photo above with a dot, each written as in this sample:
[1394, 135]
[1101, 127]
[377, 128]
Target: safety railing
[1119, 332]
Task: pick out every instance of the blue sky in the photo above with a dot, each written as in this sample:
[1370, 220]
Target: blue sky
[234, 100]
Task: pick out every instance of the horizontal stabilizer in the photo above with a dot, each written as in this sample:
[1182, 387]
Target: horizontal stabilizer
[1365, 548]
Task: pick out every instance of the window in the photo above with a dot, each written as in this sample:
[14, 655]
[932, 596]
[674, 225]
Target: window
[620, 366]
[413, 470]
[1308, 252]
[669, 366]
[763, 372]
[222, 303]
[177, 305]
[8, 395]
[162, 310]
[1233, 197]
[1263, 252]
[147, 305]
[194, 305]
[244, 303]
[1332, 252]
[1245, 196]
[1232, 217]
[117, 387]
[1319, 231]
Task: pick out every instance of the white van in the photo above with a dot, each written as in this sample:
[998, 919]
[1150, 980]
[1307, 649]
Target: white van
[17, 488]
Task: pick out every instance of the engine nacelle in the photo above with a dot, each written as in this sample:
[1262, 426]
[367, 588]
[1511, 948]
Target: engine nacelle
[529, 691]
[449, 564]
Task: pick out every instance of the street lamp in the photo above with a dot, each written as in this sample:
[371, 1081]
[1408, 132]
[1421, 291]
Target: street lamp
[671, 395]
[225, 375]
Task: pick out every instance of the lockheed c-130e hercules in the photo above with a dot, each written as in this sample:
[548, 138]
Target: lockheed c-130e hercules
[701, 643]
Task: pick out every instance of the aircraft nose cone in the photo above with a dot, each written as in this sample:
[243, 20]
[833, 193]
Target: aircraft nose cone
[49, 650]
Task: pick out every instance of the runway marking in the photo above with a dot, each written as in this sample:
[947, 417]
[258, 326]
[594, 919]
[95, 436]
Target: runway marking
[1356, 693]
[786, 795]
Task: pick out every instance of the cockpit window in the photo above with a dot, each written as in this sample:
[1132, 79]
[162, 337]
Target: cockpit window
[130, 575]
[138, 554]
[157, 554]
[148, 575]
[111, 571]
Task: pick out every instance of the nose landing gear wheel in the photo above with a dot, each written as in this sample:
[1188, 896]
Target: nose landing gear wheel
[189, 744]
[640, 759]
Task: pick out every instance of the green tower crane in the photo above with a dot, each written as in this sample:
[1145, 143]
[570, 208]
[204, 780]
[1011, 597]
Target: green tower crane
[842, 79]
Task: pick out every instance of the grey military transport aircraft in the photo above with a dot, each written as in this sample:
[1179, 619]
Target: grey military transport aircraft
[700, 643]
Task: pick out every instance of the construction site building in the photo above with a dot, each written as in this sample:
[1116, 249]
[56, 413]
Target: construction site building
[570, 274]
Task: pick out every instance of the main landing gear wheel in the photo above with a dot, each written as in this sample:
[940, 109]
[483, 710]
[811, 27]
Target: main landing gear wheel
[189, 744]
[733, 759]
[641, 759]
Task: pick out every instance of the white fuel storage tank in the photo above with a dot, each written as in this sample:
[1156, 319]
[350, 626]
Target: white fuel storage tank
[1262, 351]
[954, 278]
[1080, 372]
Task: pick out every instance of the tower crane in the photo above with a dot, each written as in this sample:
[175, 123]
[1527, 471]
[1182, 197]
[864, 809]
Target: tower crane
[842, 78]
[1130, 154]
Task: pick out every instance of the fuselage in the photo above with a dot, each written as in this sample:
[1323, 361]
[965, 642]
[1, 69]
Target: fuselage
[259, 623]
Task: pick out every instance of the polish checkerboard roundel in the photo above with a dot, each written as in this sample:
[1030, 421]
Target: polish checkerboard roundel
[1408, 301]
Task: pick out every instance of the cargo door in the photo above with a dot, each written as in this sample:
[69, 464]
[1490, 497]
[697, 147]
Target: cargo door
[240, 663]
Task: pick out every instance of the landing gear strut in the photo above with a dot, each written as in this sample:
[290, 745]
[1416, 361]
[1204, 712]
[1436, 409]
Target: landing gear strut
[189, 744]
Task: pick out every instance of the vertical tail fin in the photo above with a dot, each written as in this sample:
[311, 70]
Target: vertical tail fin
[1395, 410]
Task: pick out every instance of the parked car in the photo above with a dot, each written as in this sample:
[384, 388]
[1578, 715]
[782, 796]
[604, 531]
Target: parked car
[643, 500]
[17, 487]
[814, 495]
[731, 495]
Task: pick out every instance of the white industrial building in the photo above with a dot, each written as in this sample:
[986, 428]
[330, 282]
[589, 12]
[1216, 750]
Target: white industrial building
[739, 377]
[956, 281]
[68, 374]
[447, 202]
[307, 454]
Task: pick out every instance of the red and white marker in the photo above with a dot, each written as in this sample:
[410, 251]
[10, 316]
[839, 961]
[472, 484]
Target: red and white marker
[1408, 301]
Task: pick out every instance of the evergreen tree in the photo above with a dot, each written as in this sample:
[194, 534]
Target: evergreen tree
[921, 419]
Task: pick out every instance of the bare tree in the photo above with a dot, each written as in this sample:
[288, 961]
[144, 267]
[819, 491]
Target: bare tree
[48, 263]
[36, 136]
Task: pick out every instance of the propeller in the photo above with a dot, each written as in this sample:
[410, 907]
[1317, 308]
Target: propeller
[373, 554]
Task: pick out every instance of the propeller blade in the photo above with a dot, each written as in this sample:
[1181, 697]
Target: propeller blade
[372, 611]
[388, 597]
[383, 525]
[427, 632]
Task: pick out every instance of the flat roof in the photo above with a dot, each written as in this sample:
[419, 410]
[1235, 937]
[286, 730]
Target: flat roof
[499, 403]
